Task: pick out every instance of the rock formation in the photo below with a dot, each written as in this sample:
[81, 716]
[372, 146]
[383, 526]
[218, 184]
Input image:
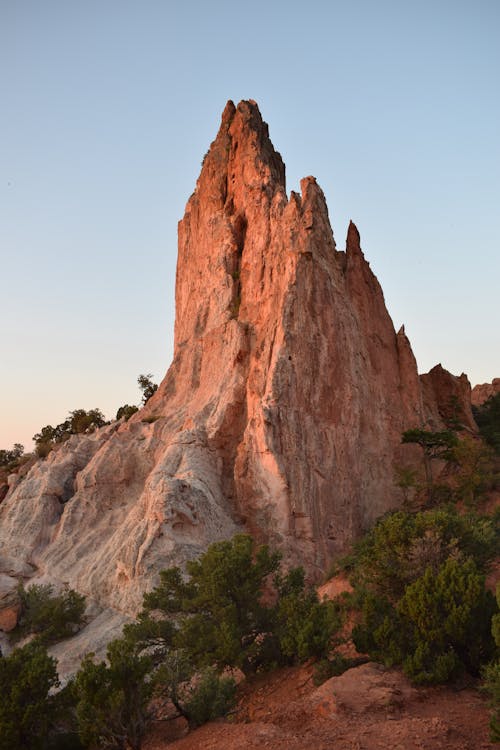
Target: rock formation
[449, 397]
[281, 413]
[484, 391]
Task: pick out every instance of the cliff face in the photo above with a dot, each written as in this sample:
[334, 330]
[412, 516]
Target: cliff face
[281, 413]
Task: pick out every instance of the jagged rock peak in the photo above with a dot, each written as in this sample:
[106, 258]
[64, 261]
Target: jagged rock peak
[243, 139]
[353, 243]
[236, 222]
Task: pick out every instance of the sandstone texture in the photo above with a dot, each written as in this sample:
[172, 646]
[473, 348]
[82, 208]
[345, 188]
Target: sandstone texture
[281, 413]
[484, 391]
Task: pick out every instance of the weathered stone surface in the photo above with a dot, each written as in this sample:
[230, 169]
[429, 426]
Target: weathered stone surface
[447, 399]
[101, 629]
[369, 687]
[484, 391]
[9, 617]
[9, 603]
[281, 413]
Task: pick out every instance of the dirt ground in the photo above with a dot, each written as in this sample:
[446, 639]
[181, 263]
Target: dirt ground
[366, 708]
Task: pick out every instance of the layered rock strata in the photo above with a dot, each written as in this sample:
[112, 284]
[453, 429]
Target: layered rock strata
[281, 413]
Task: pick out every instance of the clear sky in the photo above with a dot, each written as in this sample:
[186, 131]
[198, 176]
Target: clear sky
[107, 107]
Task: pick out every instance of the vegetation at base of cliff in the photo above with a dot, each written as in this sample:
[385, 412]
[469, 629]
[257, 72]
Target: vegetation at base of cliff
[471, 469]
[491, 676]
[487, 418]
[198, 697]
[48, 616]
[219, 615]
[419, 574]
[419, 587]
[235, 608]
[28, 709]
[112, 698]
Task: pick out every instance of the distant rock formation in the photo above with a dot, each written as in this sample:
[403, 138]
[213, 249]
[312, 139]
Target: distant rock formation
[449, 397]
[481, 393]
[281, 413]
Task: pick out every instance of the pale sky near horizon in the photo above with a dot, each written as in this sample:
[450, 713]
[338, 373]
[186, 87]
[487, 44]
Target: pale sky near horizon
[107, 109]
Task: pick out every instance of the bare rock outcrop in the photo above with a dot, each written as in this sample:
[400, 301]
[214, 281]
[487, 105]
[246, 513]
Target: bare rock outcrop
[484, 391]
[447, 399]
[281, 413]
[9, 603]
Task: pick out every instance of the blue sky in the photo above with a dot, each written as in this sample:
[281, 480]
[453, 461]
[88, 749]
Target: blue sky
[107, 109]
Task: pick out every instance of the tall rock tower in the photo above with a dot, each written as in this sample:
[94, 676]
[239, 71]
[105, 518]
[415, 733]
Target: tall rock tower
[281, 413]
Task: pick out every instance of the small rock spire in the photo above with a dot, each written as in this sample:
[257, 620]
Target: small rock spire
[353, 244]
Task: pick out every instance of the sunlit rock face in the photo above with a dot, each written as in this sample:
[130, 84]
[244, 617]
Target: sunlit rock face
[281, 413]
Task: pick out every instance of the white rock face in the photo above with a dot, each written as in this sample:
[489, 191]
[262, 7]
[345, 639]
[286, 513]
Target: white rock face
[281, 413]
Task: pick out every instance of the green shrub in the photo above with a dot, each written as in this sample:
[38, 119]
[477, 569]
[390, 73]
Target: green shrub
[81, 421]
[419, 586]
[28, 709]
[303, 625]
[126, 411]
[152, 633]
[487, 417]
[147, 387]
[475, 470]
[379, 633]
[402, 545]
[199, 696]
[11, 459]
[435, 446]
[78, 422]
[447, 618]
[43, 448]
[439, 627]
[218, 609]
[211, 696]
[495, 622]
[50, 617]
[491, 676]
[112, 699]
[219, 616]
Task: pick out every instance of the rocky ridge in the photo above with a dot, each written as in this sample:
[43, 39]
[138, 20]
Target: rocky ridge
[281, 413]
